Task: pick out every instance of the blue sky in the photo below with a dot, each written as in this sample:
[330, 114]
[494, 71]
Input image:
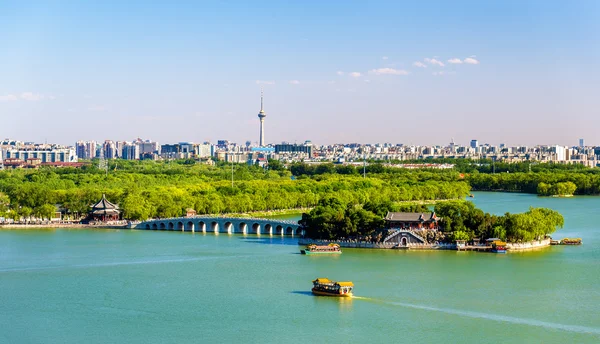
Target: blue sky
[515, 72]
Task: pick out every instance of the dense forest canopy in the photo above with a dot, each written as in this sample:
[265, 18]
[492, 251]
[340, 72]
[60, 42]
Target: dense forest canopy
[150, 189]
[545, 179]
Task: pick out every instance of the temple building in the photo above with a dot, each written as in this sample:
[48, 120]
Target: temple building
[104, 211]
[411, 221]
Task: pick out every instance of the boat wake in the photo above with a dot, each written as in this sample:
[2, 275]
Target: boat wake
[490, 316]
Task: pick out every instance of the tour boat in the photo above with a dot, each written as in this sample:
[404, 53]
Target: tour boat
[567, 241]
[326, 249]
[326, 287]
[499, 246]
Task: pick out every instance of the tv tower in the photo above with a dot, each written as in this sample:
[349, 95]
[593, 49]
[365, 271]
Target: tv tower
[261, 116]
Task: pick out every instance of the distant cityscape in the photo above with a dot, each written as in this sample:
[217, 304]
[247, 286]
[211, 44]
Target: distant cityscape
[16, 154]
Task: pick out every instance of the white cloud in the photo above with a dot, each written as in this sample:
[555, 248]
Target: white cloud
[420, 64]
[455, 61]
[34, 97]
[294, 82]
[355, 74]
[384, 58]
[470, 60]
[388, 71]
[441, 73]
[434, 62]
[28, 96]
[265, 82]
[339, 72]
[8, 98]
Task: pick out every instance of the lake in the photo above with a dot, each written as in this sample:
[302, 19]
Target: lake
[116, 286]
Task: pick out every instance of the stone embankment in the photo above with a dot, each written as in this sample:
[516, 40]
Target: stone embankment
[530, 245]
[58, 224]
[512, 247]
[385, 245]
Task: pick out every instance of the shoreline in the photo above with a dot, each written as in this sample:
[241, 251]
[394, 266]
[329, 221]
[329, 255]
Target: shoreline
[510, 247]
[61, 225]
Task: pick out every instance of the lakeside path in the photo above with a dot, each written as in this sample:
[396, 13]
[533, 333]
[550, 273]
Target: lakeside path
[52, 225]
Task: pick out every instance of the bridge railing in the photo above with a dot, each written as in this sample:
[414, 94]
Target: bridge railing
[228, 218]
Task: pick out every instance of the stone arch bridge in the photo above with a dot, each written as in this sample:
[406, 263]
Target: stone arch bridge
[230, 225]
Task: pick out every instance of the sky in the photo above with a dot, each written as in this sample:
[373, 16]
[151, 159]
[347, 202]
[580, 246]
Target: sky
[412, 72]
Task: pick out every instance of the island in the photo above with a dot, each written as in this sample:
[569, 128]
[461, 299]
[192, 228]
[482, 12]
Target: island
[451, 225]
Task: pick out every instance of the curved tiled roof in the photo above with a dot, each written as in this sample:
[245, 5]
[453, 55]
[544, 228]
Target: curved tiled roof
[411, 217]
[104, 204]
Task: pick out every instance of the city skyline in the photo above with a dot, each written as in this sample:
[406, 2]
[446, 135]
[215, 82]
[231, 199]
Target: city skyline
[519, 73]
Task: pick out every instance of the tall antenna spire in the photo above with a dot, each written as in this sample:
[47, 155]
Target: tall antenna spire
[261, 100]
[261, 117]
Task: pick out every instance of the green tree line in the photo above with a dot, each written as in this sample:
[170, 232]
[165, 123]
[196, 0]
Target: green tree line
[461, 220]
[158, 189]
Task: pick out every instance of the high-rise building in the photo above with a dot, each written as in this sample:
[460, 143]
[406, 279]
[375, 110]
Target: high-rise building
[205, 150]
[131, 151]
[148, 147]
[560, 152]
[474, 143]
[261, 116]
[85, 149]
[110, 150]
[581, 143]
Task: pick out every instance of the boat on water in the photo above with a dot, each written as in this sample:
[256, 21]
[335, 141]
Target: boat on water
[324, 249]
[326, 287]
[498, 246]
[571, 241]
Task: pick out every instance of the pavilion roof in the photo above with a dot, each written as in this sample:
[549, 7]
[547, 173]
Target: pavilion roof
[411, 217]
[103, 205]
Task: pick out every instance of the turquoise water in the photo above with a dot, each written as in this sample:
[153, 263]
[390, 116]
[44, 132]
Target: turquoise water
[91, 286]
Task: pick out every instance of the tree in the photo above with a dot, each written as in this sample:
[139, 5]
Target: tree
[45, 211]
[135, 207]
[275, 165]
[4, 204]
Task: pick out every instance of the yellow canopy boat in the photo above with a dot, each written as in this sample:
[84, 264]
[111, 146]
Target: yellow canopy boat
[327, 287]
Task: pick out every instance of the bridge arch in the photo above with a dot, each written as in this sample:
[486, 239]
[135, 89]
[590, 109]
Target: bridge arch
[202, 227]
[243, 228]
[255, 229]
[162, 225]
[154, 226]
[289, 231]
[180, 226]
[189, 227]
[279, 230]
[171, 226]
[147, 226]
[268, 229]
[228, 227]
[214, 227]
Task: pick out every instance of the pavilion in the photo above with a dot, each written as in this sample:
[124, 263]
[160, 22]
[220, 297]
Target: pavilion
[104, 211]
[411, 221]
